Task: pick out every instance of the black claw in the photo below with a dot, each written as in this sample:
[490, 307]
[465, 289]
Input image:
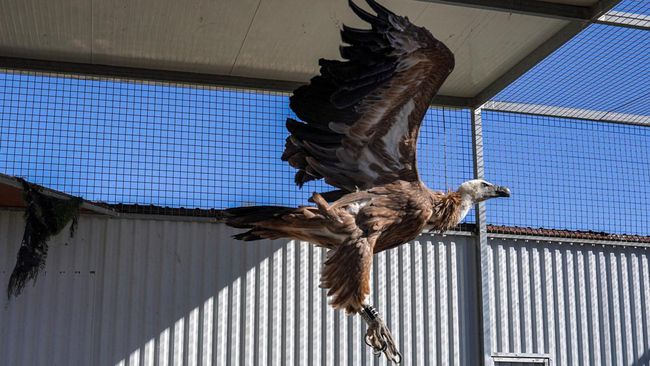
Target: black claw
[383, 348]
[399, 358]
[365, 339]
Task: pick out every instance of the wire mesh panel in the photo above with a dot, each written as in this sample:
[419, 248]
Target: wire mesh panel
[567, 173]
[176, 145]
[147, 143]
[633, 7]
[445, 148]
[601, 74]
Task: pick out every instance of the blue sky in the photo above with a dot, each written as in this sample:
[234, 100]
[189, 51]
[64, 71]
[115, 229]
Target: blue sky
[178, 146]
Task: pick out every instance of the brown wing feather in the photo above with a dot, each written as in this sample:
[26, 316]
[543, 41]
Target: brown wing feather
[362, 116]
[346, 273]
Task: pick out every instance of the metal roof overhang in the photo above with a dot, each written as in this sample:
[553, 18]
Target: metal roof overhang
[276, 44]
[11, 196]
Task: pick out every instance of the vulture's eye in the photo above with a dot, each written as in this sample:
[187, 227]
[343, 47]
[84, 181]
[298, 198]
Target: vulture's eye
[485, 184]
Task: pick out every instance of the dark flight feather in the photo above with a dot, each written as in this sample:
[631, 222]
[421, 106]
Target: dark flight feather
[361, 116]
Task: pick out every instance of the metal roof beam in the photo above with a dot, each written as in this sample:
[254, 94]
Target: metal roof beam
[527, 7]
[87, 205]
[601, 7]
[140, 74]
[567, 112]
[627, 20]
[197, 79]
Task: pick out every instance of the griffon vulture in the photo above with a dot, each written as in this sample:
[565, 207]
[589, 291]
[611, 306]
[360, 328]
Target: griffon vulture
[359, 127]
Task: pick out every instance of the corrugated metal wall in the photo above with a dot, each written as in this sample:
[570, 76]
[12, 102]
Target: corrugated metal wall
[147, 292]
[581, 304]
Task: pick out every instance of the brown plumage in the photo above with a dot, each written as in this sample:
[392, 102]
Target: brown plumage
[354, 227]
[361, 119]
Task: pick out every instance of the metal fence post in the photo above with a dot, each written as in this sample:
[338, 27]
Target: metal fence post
[482, 263]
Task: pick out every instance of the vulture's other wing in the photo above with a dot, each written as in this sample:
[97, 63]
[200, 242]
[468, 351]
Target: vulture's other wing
[362, 115]
[346, 273]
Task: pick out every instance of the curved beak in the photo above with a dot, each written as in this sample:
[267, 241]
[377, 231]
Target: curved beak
[502, 191]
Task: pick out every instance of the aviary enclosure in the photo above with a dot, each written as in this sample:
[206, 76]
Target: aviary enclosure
[557, 275]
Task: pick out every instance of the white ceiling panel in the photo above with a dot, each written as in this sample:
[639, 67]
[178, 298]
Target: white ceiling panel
[46, 29]
[288, 37]
[198, 36]
[269, 39]
[485, 43]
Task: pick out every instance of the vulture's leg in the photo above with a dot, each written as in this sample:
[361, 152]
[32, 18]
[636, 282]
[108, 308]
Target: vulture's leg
[378, 335]
[324, 207]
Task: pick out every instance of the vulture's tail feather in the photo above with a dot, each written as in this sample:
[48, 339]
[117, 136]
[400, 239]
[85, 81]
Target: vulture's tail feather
[246, 217]
[249, 217]
[247, 236]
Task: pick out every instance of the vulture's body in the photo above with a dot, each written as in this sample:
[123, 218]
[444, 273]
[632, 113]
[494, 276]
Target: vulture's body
[354, 227]
[360, 123]
[384, 210]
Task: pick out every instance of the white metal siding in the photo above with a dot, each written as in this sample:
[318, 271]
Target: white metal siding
[147, 292]
[582, 304]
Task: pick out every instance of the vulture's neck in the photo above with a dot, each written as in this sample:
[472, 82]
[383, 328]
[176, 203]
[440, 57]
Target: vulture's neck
[466, 204]
[450, 209]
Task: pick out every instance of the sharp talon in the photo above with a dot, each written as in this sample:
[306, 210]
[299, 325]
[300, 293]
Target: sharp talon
[365, 339]
[398, 357]
[384, 346]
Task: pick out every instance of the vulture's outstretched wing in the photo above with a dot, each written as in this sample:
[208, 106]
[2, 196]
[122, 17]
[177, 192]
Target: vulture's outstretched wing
[362, 116]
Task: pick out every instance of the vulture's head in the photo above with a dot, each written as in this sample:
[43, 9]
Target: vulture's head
[479, 190]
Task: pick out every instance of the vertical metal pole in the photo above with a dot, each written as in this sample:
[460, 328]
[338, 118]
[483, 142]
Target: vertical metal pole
[482, 263]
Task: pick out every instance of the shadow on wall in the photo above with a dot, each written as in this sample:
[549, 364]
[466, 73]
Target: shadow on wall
[142, 292]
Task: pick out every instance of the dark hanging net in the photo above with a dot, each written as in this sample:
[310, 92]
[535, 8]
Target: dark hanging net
[45, 216]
